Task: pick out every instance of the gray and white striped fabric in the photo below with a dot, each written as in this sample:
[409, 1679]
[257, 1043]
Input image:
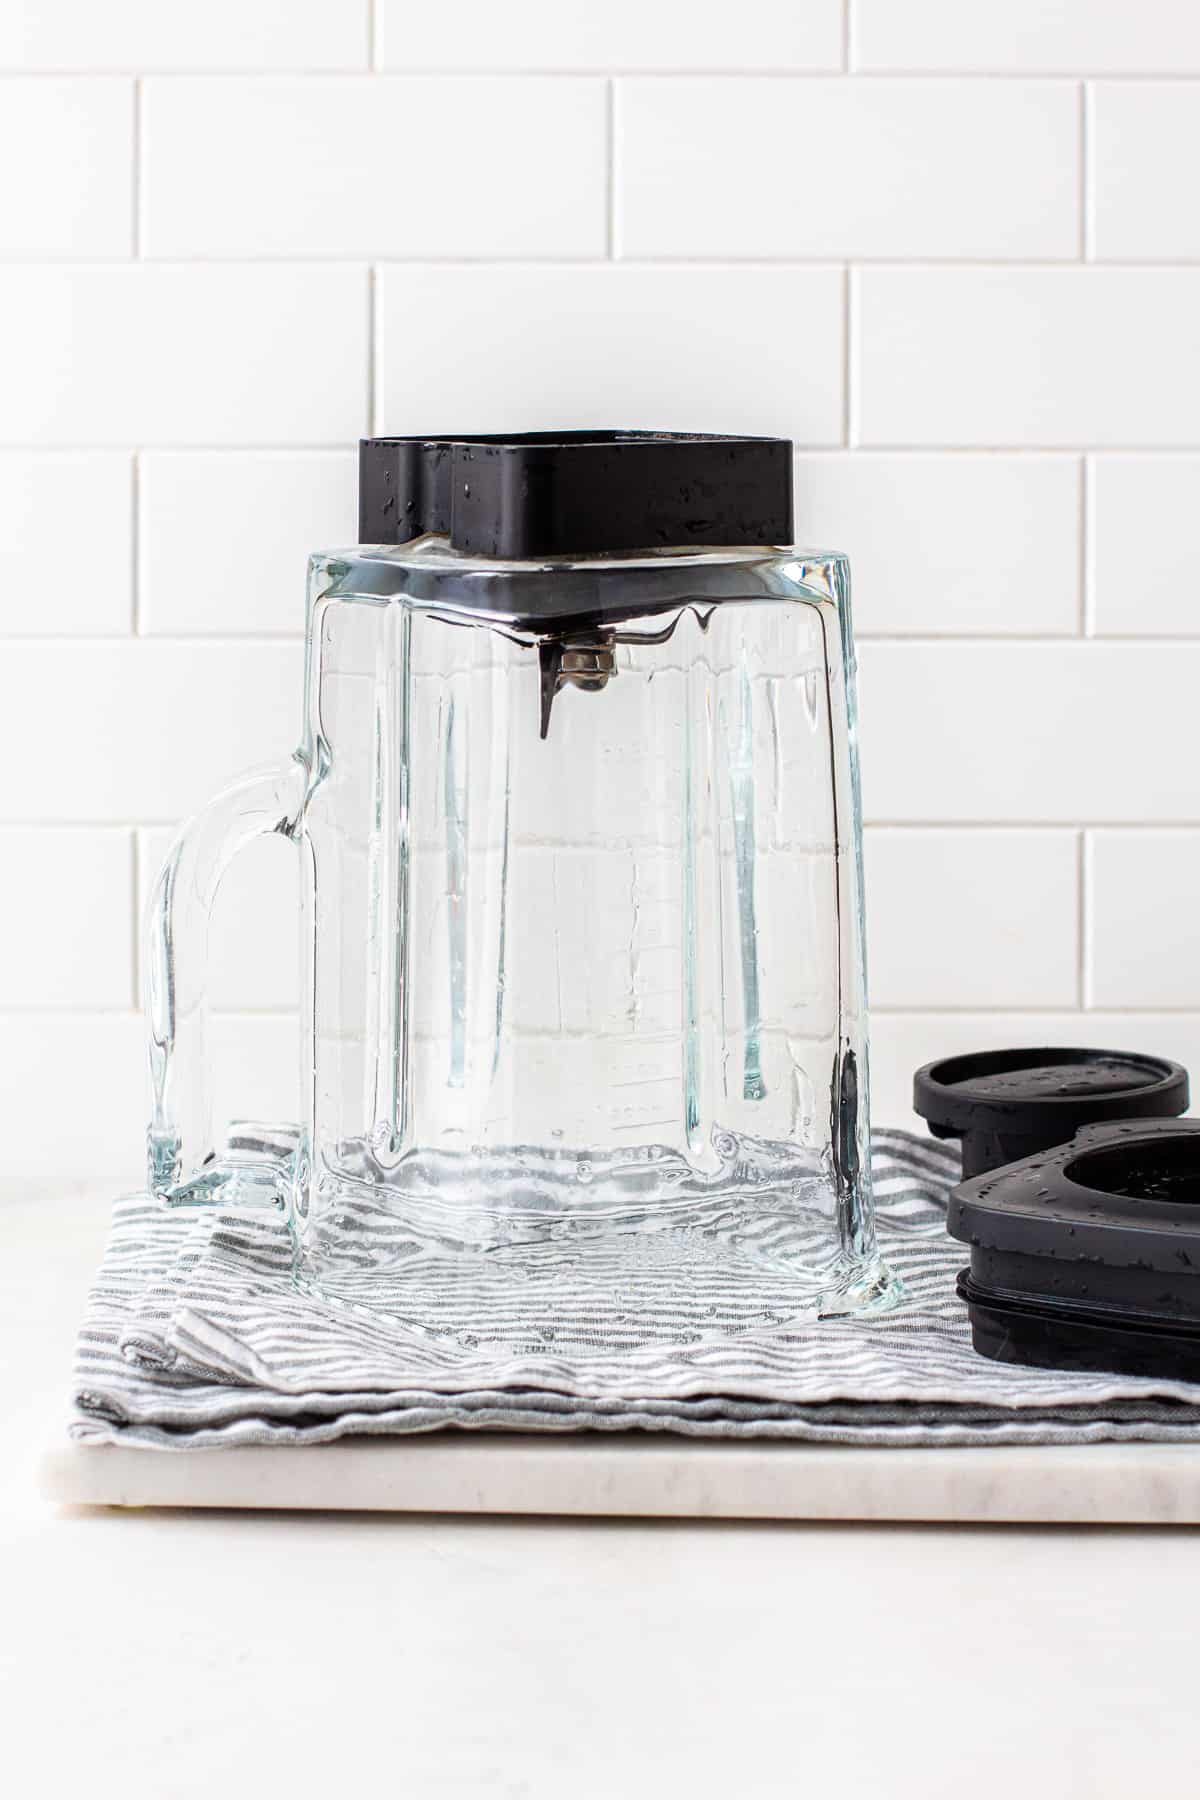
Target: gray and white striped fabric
[196, 1336]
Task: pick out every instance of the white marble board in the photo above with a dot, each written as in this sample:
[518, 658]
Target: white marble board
[633, 1476]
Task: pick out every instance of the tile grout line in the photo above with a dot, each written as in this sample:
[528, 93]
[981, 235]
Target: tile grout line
[1087, 560]
[985, 1011]
[136, 863]
[139, 247]
[849, 383]
[809, 72]
[1101, 644]
[999, 827]
[1081, 230]
[65, 448]
[135, 528]
[136, 132]
[299, 262]
[1087, 248]
[1083, 920]
[1159, 827]
[885, 1010]
[848, 35]
[1085, 531]
[1035, 640]
[372, 350]
[808, 448]
[194, 640]
[610, 169]
[64, 1011]
[140, 631]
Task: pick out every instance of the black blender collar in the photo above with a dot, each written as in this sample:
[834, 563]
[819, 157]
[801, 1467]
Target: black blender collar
[535, 494]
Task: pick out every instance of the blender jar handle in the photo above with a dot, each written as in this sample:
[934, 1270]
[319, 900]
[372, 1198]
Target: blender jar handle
[182, 1158]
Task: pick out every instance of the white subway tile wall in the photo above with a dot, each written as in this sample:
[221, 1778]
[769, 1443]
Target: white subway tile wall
[1043, 37]
[938, 896]
[304, 165]
[125, 732]
[145, 35]
[270, 509]
[1002, 733]
[67, 941]
[70, 513]
[1147, 133]
[754, 167]
[951, 250]
[702, 348]
[980, 545]
[1144, 547]
[1044, 358]
[66, 148]
[183, 353]
[1145, 885]
[619, 35]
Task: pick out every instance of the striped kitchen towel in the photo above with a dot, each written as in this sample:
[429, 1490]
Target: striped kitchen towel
[197, 1335]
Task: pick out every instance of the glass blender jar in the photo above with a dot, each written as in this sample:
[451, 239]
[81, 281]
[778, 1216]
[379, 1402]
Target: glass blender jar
[576, 803]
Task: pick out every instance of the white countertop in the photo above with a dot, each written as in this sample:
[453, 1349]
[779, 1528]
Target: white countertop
[157, 1654]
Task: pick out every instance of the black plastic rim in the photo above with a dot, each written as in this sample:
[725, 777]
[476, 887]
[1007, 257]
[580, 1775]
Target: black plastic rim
[533, 494]
[1007, 1104]
[1007, 1329]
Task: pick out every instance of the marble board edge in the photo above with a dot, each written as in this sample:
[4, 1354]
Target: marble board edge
[635, 1477]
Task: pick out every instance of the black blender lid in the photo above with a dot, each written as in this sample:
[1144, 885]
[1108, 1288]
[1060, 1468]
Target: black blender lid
[576, 493]
[1004, 1104]
[1087, 1256]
